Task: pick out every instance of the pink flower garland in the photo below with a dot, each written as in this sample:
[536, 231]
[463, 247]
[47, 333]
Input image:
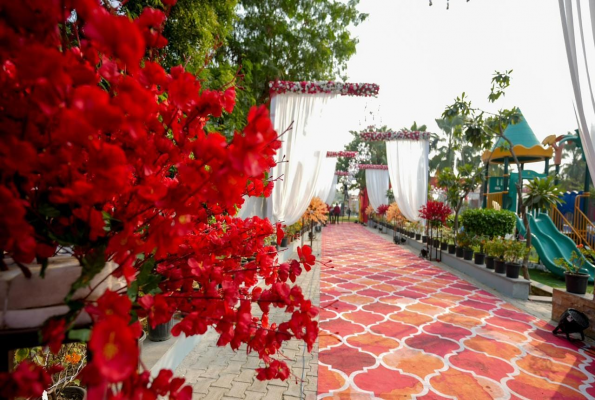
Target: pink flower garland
[345, 154]
[344, 89]
[341, 173]
[373, 166]
[371, 134]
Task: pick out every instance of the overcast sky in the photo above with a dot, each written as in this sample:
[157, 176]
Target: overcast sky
[423, 57]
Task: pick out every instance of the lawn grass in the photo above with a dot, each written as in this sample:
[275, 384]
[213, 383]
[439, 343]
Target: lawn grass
[547, 278]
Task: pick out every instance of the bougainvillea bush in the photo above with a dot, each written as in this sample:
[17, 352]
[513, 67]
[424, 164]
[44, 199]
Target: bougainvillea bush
[104, 154]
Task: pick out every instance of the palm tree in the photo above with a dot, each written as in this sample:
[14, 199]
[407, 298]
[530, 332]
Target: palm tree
[572, 173]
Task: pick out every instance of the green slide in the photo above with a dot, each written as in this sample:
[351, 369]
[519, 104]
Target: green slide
[550, 244]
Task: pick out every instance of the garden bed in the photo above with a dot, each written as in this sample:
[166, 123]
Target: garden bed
[515, 288]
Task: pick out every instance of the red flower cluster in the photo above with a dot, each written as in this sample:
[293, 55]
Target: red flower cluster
[341, 173]
[435, 212]
[373, 166]
[344, 154]
[342, 88]
[106, 153]
[382, 209]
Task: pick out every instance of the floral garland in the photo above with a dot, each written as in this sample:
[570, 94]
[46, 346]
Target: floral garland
[342, 88]
[341, 173]
[372, 134]
[373, 166]
[345, 154]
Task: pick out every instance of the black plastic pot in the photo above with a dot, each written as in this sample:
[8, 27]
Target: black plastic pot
[499, 266]
[284, 242]
[468, 254]
[576, 283]
[490, 262]
[417, 236]
[459, 251]
[318, 228]
[412, 234]
[443, 246]
[452, 249]
[161, 332]
[424, 239]
[479, 258]
[396, 240]
[513, 269]
[74, 392]
[436, 243]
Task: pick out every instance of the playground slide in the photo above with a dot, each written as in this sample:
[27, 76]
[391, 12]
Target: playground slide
[550, 244]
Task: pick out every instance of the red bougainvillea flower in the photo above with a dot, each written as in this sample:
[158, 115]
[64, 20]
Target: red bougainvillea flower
[382, 209]
[28, 380]
[53, 334]
[306, 257]
[157, 309]
[111, 303]
[114, 347]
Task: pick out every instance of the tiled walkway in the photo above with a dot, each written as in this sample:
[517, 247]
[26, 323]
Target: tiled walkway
[394, 326]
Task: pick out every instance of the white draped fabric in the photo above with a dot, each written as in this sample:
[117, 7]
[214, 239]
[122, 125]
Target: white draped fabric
[408, 169]
[327, 182]
[578, 25]
[321, 122]
[330, 197]
[377, 183]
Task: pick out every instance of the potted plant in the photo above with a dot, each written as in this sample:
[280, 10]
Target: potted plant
[489, 254]
[461, 239]
[513, 255]
[575, 276]
[479, 248]
[499, 246]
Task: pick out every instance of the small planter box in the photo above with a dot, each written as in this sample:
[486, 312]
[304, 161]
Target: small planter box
[515, 288]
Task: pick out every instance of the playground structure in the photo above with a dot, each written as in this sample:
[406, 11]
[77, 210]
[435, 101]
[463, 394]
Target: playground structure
[555, 234]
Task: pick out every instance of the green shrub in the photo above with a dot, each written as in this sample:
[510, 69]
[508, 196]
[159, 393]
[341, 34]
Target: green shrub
[488, 222]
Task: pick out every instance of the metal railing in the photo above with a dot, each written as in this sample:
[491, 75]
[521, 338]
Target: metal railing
[565, 226]
[584, 227]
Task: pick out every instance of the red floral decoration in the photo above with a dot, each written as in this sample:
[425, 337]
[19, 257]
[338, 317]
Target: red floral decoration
[435, 212]
[373, 134]
[341, 173]
[344, 154]
[342, 88]
[373, 166]
[104, 153]
[382, 209]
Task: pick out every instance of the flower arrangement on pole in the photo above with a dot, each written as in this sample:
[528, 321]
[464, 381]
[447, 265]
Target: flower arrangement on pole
[435, 214]
[105, 156]
[316, 213]
[381, 211]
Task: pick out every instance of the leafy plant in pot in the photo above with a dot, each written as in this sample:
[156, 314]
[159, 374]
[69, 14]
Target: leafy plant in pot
[514, 253]
[575, 276]
[489, 254]
[479, 243]
[461, 241]
[497, 249]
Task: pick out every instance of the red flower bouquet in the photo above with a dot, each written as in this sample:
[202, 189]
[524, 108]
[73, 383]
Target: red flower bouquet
[435, 212]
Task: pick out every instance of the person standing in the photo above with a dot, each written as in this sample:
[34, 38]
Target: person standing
[337, 212]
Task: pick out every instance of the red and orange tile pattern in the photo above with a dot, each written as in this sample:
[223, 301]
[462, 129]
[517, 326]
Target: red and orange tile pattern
[393, 326]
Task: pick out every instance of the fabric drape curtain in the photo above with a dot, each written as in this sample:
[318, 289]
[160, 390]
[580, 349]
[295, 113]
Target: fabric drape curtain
[377, 182]
[408, 170]
[330, 197]
[301, 157]
[325, 183]
[321, 122]
[578, 25]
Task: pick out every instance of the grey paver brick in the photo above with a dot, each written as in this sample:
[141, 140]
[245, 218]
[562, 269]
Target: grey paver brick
[254, 395]
[247, 375]
[253, 363]
[274, 393]
[238, 390]
[258, 386]
[234, 367]
[213, 371]
[202, 385]
[215, 393]
[224, 381]
[278, 382]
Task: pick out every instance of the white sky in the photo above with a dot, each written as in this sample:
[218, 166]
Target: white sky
[423, 57]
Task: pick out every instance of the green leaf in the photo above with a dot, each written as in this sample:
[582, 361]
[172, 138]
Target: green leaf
[82, 335]
[93, 263]
[21, 354]
[48, 211]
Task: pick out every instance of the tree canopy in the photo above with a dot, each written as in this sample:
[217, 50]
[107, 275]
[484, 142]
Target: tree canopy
[264, 40]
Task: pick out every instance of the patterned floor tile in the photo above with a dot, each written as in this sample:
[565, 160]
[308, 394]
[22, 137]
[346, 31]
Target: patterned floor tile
[396, 327]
